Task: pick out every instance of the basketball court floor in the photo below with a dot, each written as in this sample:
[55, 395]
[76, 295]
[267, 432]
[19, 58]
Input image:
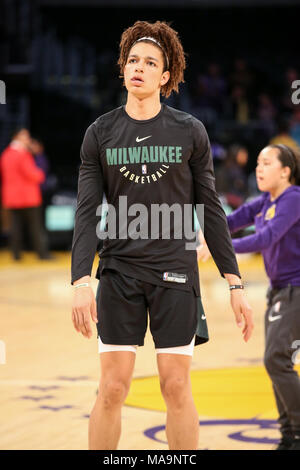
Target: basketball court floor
[49, 374]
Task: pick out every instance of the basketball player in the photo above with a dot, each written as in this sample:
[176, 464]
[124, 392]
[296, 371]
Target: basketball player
[276, 215]
[152, 154]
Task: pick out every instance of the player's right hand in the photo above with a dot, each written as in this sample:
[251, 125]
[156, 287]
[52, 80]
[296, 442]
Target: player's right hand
[83, 309]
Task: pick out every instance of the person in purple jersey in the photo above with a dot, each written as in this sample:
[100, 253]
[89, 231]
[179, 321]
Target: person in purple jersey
[276, 214]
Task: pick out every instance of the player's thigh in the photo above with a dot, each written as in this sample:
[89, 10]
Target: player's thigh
[117, 366]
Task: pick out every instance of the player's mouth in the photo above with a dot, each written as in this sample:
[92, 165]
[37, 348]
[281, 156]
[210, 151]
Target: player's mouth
[136, 80]
[261, 183]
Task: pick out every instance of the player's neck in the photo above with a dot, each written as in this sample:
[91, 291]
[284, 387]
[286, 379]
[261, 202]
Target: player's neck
[142, 109]
[276, 192]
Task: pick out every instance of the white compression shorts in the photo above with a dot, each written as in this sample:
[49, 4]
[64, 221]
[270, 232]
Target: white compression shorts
[185, 350]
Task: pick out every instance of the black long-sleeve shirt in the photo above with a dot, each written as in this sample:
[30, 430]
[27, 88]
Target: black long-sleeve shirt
[166, 159]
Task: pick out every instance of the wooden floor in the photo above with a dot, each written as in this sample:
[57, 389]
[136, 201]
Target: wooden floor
[49, 381]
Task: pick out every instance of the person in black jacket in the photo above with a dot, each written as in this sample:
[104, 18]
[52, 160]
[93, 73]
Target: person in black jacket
[144, 155]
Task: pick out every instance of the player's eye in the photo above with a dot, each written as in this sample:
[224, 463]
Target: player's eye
[131, 61]
[152, 63]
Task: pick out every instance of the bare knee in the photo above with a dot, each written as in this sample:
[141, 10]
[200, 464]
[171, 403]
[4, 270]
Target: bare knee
[175, 391]
[112, 393]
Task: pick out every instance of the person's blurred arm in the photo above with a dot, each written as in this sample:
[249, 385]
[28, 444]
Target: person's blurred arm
[30, 169]
[287, 214]
[244, 215]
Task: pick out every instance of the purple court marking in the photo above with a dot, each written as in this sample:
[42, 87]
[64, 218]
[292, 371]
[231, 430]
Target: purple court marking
[45, 397]
[238, 436]
[44, 389]
[56, 408]
[73, 379]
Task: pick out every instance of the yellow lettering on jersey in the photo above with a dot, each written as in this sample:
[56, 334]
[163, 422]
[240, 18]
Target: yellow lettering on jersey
[270, 212]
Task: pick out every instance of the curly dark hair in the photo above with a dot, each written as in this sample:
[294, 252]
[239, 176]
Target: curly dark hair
[172, 48]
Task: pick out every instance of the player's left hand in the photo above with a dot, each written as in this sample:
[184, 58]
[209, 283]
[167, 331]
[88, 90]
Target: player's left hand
[243, 312]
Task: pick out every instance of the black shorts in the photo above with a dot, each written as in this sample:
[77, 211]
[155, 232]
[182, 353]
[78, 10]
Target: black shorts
[123, 304]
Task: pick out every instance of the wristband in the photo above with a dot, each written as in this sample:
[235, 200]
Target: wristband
[84, 284]
[236, 286]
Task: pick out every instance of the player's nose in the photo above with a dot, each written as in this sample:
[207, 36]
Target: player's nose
[139, 67]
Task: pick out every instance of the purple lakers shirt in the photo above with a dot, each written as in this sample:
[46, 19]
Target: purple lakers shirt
[277, 234]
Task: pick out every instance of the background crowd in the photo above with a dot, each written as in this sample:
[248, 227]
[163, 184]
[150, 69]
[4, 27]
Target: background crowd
[61, 75]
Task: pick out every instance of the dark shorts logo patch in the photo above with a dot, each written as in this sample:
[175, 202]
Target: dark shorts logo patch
[174, 277]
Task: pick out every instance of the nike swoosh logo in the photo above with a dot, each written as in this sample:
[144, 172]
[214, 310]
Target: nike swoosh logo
[143, 138]
[203, 317]
[276, 317]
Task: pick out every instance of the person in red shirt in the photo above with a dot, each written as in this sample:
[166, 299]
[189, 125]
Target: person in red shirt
[21, 194]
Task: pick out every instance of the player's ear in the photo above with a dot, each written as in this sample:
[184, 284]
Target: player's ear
[286, 173]
[164, 78]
